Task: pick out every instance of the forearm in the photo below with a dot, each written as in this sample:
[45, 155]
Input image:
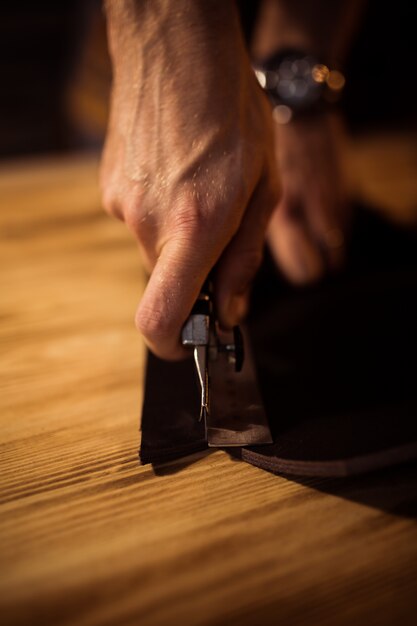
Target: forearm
[172, 31]
[323, 27]
[177, 51]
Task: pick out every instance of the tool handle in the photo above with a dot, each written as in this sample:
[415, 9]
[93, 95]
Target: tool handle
[196, 330]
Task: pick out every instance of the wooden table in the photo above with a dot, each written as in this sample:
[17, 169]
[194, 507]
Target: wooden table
[87, 535]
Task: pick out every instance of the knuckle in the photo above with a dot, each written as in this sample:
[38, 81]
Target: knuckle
[203, 221]
[143, 215]
[189, 219]
[109, 202]
[134, 221]
[122, 200]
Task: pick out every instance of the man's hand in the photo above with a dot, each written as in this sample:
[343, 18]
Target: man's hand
[189, 157]
[306, 232]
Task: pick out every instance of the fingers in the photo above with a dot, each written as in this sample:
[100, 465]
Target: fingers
[325, 214]
[307, 240]
[293, 247]
[242, 257]
[306, 231]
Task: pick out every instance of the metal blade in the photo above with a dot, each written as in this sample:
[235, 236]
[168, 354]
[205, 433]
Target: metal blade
[237, 416]
[200, 358]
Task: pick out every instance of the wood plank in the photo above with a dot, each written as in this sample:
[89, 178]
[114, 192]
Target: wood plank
[88, 536]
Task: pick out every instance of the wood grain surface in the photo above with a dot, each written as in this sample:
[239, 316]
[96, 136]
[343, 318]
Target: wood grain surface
[89, 537]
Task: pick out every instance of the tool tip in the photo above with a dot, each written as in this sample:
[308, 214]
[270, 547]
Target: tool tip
[203, 412]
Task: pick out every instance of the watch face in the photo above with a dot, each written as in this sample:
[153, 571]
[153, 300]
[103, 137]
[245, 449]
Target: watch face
[294, 80]
[296, 85]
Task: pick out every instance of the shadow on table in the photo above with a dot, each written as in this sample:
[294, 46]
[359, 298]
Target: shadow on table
[392, 490]
[168, 468]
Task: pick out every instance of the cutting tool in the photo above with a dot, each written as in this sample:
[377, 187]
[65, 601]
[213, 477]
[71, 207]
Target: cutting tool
[230, 403]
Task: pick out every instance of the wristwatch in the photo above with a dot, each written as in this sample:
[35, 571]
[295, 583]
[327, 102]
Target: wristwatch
[297, 83]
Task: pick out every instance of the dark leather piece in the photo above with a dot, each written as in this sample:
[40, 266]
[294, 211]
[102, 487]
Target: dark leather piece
[170, 425]
[336, 364]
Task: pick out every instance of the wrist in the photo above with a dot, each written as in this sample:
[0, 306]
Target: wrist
[298, 84]
[185, 27]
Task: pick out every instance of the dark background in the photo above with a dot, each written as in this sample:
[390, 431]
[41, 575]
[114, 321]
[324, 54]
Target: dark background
[55, 73]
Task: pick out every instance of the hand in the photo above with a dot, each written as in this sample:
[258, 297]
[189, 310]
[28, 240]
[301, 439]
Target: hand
[306, 232]
[189, 157]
